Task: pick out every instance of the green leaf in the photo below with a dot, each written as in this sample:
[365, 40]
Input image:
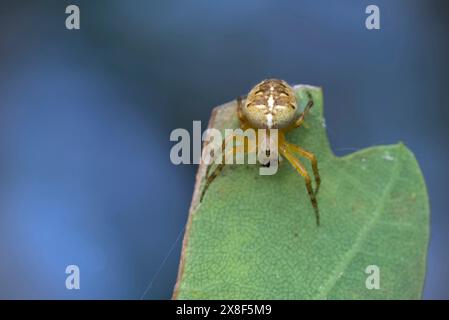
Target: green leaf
[255, 237]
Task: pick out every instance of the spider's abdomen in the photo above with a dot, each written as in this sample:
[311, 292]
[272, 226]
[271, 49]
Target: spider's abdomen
[271, 104]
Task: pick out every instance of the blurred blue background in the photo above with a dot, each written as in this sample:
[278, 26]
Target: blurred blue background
[85, 119]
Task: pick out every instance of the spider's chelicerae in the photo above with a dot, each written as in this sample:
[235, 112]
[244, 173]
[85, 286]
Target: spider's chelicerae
[272, 104]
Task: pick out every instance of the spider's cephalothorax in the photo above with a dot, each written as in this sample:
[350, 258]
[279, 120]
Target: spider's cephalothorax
[272, 104]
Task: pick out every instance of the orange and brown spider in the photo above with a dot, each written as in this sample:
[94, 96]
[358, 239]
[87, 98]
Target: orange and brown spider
[272, 104]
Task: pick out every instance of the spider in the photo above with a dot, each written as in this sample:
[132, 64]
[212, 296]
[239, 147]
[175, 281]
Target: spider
[272, 104]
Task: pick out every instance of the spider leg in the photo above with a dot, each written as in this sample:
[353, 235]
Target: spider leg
[303, 172]
[243, 125]
[312, 158]
[235, 149]
[223, 147]
[243, 122]
[210, 178]
[302, 117]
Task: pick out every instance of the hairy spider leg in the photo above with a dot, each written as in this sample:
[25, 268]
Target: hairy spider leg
[235, 149]
[303, 172]
[243, 122]
[311, 157]
[302, 117]
[245, 149]
[243, 125]
[222, 148]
